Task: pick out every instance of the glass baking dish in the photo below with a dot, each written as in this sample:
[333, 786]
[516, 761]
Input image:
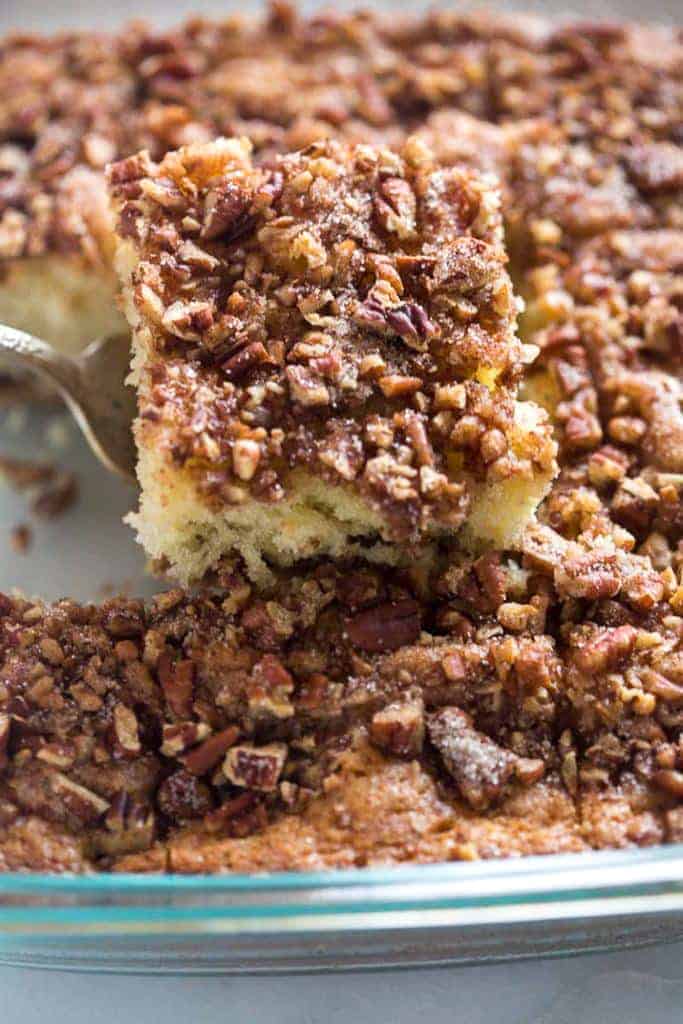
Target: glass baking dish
[309, 922]
[367, 918]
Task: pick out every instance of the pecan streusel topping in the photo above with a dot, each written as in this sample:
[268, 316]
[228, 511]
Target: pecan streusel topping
[73, 102]
[155, 732]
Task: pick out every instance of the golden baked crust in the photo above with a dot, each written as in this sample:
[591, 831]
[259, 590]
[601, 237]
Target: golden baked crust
[332, 333]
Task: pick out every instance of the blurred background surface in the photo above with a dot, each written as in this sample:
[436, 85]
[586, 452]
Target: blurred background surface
[45, 15]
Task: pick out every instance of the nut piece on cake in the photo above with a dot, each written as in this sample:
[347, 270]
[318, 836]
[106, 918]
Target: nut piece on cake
[325, 355]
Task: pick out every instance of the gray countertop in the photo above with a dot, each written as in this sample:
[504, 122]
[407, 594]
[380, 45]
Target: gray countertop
[636, 987]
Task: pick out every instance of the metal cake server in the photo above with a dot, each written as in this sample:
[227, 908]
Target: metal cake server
[92, 385]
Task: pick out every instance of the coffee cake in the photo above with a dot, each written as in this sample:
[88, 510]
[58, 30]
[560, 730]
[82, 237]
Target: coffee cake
[474, 704]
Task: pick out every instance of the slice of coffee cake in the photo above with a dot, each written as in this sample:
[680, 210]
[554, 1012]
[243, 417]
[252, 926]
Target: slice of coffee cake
[325, 353]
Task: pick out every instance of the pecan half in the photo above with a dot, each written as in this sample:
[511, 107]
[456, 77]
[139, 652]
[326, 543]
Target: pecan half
[408, 320]
[604, 649]
[593, 575]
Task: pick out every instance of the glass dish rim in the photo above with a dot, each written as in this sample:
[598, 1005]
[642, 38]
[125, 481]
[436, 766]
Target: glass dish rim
[83, 921]
[602, 867]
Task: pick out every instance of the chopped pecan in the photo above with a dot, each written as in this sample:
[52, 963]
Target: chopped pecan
[241, 816]
[123, 622]
[246, 359]
[359, 588]
[76, 800]
[634, 504]
[180, 736]
[674, 824]
[491, 577]
[177, 679]
[165, 193]
[397, 385]
[656, 166]
[207, 755]
[188, 320]
[271, 688]
[129, 827]
[246, 455]
[255, 767]
[258, 622]
[385, 627]
[126, 730]
[643, 590]
[544, 547]
[5, 727]
[399, 728]
[51, 651]
[306, 386]
[131, 169]
[9, 813]
[454, 667]
[182, 797]
[670, 780]
[529, 770]
[395, 207]
[59, 755]
[273, 674]
[227, 213]
[663, 688]
[478, 766]
[607, 466]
